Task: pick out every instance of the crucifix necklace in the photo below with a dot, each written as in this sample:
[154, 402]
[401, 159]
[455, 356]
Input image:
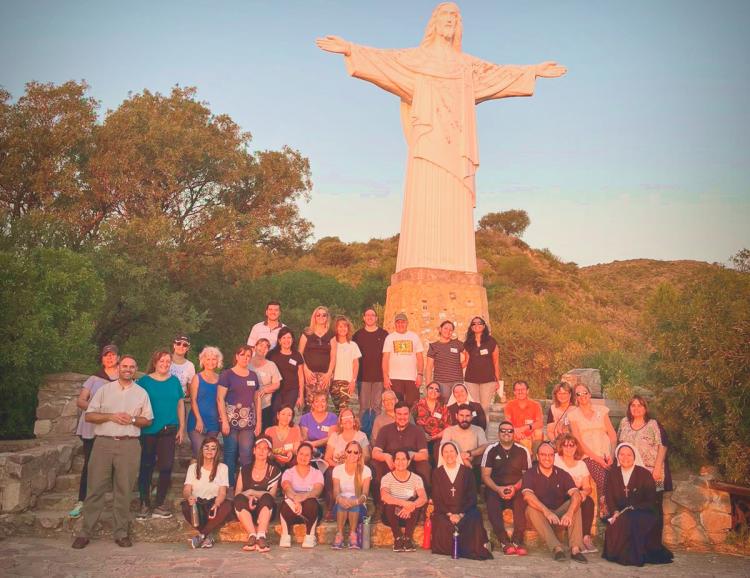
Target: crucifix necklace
[453, 491]
[627, 492]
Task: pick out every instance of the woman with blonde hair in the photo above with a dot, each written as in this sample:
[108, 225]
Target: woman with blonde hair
[558, 422]
[317, 345]
[351, 484]
[203, 420]
[347, 363]
[568, 458]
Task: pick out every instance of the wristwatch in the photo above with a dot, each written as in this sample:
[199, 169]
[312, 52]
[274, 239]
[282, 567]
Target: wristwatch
[132, 420]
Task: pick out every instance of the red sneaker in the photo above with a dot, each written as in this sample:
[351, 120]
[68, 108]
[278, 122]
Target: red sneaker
[510, 550]
[520, 550]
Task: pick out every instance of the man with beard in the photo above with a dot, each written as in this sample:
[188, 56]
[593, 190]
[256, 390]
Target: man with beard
[470, 438]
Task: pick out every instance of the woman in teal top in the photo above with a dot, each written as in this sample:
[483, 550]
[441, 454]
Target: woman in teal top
[158, 440]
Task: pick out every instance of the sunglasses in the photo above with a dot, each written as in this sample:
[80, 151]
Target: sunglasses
[321, 315]
[182, 343]
[211, 448]
[582, 393]
[505, 431]
[353, 452]
[570, 445]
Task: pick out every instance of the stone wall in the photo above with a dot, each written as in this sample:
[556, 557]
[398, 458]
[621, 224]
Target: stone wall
[695, 515]
[56, 410]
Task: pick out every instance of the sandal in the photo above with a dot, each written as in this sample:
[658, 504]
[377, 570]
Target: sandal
[353, 542]
[338, 542]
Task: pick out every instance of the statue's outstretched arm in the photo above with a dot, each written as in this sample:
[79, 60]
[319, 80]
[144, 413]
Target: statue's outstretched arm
[550, 69]
[334, 44]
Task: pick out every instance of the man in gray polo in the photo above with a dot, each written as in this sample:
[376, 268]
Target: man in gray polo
[119, 410]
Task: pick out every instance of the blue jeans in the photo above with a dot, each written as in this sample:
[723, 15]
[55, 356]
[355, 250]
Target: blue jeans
[239, 441]
[196, 439]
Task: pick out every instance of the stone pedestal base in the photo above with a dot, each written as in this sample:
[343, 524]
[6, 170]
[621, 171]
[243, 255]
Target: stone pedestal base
[430, 296]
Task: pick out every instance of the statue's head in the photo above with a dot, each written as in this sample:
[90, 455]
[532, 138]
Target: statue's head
[446, 22]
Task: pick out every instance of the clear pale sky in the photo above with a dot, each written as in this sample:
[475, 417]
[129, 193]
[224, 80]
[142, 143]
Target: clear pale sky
[642, 150]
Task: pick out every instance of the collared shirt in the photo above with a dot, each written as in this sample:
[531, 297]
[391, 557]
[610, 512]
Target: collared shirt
[552, 491]
[263, 330]
[114, 398]
[411, 438]
[508, 466]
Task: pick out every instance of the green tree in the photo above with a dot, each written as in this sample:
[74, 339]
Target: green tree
[49, 301]
[513, 222]
[741, 260]
[701, 369]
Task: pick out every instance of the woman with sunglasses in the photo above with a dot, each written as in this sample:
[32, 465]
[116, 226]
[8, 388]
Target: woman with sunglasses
[568, 458]
[301, 484]
[558, 422]
[403, 495]
[431, 414]
[347, 431]
[351, 484]
[205, 487]
[591, 426]
[254, 496]
[482, 375]
[318, 347]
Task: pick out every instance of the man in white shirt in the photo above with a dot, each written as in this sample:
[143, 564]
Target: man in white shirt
[403, 362]
[119, 410]
[269, 328]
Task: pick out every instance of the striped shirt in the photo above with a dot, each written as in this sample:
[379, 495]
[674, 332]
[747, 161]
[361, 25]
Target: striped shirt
[406, 490]
[447, 359]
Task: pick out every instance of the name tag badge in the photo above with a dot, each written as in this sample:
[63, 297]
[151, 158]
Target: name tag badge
[438, 415]
[288, 446]
[324, 428]
[473, 414]
[250, 383]
[292, 362]
[454, 349]
[484, 352]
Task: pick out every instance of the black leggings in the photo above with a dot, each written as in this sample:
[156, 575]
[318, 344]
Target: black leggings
[396, 523]
[241, 502]
[156, 448]
[88, 445]
[311, 513]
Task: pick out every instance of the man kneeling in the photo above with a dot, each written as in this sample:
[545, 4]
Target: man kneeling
[552, 499]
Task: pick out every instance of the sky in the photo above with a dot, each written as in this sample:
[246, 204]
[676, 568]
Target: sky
[641, 151]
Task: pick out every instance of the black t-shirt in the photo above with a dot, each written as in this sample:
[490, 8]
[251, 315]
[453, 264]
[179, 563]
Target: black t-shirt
[553, 492]
[390, 439]
[288, 366]
[480, 368]
[371, 345]
[508, 466]
[318, 351]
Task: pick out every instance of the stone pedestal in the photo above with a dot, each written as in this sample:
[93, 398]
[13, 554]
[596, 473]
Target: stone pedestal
[430, 296]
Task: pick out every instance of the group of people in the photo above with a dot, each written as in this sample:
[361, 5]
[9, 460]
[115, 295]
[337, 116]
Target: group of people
[418, 457]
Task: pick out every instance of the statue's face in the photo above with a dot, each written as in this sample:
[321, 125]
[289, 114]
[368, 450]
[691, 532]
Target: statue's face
[447, 18]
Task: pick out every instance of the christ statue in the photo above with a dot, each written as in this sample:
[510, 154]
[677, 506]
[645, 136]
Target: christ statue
[439, 87]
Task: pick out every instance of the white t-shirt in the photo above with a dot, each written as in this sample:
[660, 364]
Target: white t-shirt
[346, 353]
[184, 372]
[337, 441]
[403, 349]
[267, 374]
[346, 481]
[577, 472]
[302, 484]
[204, 488]
[262, 330]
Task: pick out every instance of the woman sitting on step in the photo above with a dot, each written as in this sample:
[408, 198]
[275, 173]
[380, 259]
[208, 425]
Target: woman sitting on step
[205, 489]
[403, 496]
[301, 484]
[351, 484]
[254, 496]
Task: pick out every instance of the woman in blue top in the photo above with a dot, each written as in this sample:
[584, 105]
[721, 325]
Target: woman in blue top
[203, 421]
[158, 439]
[239, 410]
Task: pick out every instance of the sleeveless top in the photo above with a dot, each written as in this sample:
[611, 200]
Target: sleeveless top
[271, 477]
[318, 351]
[206, 401]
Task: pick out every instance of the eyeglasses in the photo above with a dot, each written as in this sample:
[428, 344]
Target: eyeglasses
[569, 444]
[353, 452]
[181, 344]
[582, 393]
[505, 431]
[347, 418]
[211, 448]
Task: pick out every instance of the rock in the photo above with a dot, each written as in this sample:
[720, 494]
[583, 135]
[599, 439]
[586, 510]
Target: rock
[669, 507]
[589, 377]
[15, 496]
[683, 522]
[720, 502]
[70, 409]
[690, 496]
[715, 522]
[697, 537]
[42, 427]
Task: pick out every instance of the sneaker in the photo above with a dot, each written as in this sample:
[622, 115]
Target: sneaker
[285, 541]
[398, 544]
[76, 511]
[588, 546]
[520, 549]
[309, 541]
[559, 556]
[353, 542]
[263, 546]
[196, 541]
[143, 513]
[408, 545]
[208, 542]
[578, 557]
[338, 542]
[251, 545]
[161, 512]
[509, 550]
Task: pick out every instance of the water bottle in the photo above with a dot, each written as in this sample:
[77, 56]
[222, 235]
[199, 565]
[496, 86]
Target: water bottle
[454, 554]
[427, 535]
[360, 532]
[366, 533]
[195, 516]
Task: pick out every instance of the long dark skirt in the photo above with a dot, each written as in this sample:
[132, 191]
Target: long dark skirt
[472, 537]
[631, 541]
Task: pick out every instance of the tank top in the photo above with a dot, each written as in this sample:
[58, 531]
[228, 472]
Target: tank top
[318, 351]
[271, 477]
[206, 400]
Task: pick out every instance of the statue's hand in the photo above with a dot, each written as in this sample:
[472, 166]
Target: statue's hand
[334, 44]
[550, 69]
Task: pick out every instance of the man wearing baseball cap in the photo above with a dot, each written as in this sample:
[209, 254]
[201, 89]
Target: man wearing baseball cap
[403, 362]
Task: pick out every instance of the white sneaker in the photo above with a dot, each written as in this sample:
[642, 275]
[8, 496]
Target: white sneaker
[285, 541]
[309, 541]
